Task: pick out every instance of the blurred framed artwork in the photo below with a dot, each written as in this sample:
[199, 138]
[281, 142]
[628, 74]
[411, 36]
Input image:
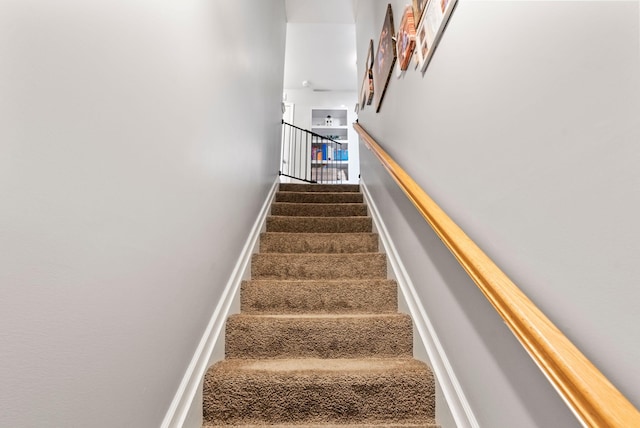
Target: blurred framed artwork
[432, 25]
[406, 38]
[385, 58]
[418, 8]
[369, 62]
[366, 92]
[422, 48]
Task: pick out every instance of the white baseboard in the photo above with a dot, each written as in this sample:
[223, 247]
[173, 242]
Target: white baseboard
[451, 389]
[184, 400]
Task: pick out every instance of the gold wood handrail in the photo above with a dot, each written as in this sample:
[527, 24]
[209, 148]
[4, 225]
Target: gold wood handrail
[587, 391]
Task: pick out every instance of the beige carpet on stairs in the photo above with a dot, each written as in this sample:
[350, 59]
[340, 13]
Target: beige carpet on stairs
[319, 341]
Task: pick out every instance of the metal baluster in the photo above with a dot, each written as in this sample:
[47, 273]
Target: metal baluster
[324, 161]
[314, 174]
[307, 164]
[290, 160]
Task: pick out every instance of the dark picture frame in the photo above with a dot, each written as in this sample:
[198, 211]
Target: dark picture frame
[385, 58]
[366, 92]
[370, 56]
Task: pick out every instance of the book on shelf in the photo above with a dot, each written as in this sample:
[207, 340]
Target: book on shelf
[328, 152]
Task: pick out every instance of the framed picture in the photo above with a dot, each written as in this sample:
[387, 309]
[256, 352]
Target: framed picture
[406, 39]
[422, 48]
[443, 5]
[434, 20]
[433, 17]
[418, 8]
[385, 58]
[366, 92]
[370, 56]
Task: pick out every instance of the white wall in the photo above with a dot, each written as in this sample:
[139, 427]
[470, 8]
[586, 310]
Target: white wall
[323, 54]
[524, 129]
[327, 11]
[138, 140]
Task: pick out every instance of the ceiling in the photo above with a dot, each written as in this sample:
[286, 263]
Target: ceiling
[321, 11]
[321, 45]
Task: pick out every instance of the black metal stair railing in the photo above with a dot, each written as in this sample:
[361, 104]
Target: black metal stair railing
[311, 157]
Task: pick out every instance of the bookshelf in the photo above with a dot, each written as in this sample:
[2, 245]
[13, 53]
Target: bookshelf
[330, 163]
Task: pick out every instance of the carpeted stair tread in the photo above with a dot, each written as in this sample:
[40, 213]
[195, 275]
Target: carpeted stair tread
[318, 210]
[299, 187]
[318, 297]
[378, 425]
[319, 336]
[319, 224]
[319, 342]
[319, 391]
[290, 242]
[320, 197]
[319, 266]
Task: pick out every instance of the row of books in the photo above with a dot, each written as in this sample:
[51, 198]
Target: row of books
[328, 152]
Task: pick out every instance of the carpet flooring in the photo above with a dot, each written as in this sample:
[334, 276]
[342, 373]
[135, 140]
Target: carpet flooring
[319, 341]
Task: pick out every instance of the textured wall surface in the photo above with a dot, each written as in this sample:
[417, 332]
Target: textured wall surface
[138, 140]
[524, 129]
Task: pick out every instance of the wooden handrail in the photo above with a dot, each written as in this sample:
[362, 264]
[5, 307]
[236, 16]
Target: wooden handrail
[587, 391]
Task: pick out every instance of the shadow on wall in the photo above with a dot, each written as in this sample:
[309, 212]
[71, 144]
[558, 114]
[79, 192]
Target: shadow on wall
[476, 321]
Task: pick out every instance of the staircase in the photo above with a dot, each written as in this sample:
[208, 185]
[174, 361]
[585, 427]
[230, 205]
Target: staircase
[319, 341]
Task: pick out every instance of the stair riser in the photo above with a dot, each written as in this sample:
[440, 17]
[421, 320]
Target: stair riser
[318, 210]
[320, 198]
[332, 337]
[317, 266]
[318, 243]
[266, 398]
[319, 224]
[293, 187]
[310, 297]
